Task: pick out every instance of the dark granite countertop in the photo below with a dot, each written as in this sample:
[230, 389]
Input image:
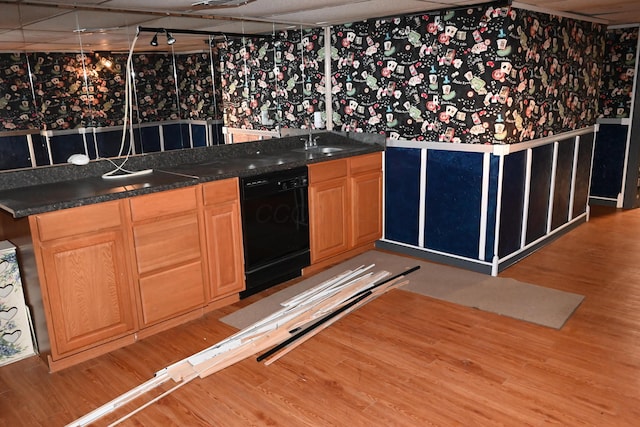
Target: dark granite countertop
[33, 191]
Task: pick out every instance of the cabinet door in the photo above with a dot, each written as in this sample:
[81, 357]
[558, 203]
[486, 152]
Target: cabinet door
[223, 237]
[224, 248]
[328, 219]
[89, 290]
[366, 208]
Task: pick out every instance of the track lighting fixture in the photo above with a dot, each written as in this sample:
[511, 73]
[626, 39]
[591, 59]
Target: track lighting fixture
[170, 39]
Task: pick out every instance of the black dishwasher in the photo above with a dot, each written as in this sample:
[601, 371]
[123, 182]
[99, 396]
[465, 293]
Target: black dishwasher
[275, 227]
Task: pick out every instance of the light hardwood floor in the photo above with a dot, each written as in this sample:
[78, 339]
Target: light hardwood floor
[402, 360]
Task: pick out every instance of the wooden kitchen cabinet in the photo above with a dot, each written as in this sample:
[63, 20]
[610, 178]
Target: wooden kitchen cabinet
[168, 255]
[328, 209]
[111, 273]
[85, 278]
[345, 206]
[365, 186]
[223, 237]
[114, 272]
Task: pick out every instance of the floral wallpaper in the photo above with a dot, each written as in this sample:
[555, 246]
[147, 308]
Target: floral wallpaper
[555, 75]
[480, 76]
[616, 85]
[17, 111]
[425, 77]
[474, 76]
[62, 98]
[199, 94]
[267, 84]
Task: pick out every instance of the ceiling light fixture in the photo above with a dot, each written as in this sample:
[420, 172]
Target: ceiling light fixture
[154, 40]
[170, 39]
[212, 4]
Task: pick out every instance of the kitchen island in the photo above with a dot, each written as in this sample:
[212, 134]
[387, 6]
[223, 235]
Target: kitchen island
[109, 261]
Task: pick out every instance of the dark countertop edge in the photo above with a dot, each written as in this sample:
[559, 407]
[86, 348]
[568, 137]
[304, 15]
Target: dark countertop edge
[20, 213]
[181, 183]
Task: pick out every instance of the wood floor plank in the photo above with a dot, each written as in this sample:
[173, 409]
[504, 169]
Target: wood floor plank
[402, 360]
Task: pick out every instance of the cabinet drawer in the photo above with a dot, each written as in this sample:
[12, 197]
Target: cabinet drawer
[163, 203]
[167, 242]
[172, 292]
[365, 163]
[75, 221]
[225, 190]
[324, 171]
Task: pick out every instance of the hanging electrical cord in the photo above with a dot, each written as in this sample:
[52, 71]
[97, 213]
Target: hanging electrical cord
[245, 69]
[127, 124]
[213, 87]
[276, 68]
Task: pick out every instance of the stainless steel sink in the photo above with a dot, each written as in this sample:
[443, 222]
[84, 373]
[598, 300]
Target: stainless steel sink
[327, 150]
[319, 150]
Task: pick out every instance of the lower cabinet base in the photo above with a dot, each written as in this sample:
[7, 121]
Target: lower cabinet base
[222, 302]
[83, 356]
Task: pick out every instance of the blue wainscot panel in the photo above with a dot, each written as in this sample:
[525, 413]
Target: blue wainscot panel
[55, 147]
[62, 146]
[148, 139]
[14, 152]
[174, 136]
[512, 206]
[199, 135]
[583, 172]
[608, 161]
[402, 194]
[491, 207]
[540, 191]
[562, 189]
[40, 150]
[453, 201]
[465, 188]
[109, 143]
[217, 137]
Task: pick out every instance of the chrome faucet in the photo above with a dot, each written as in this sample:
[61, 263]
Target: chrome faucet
[311, 141]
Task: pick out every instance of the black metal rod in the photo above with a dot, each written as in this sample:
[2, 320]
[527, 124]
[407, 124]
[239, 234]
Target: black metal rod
[310, 328]
[355, 299]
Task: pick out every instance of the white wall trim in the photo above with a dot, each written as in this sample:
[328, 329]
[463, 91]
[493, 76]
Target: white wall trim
[620, 26]
[328, 102]
[444, 146]
[495, 149]
[384, 194]
[32, 153]
[161, 135]
[496, 237]
[484, 205]
[445, 254]
[422, 200]
[614, 121]
[542, 238]
[552, 187]
[574, 174]
[525, 204]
